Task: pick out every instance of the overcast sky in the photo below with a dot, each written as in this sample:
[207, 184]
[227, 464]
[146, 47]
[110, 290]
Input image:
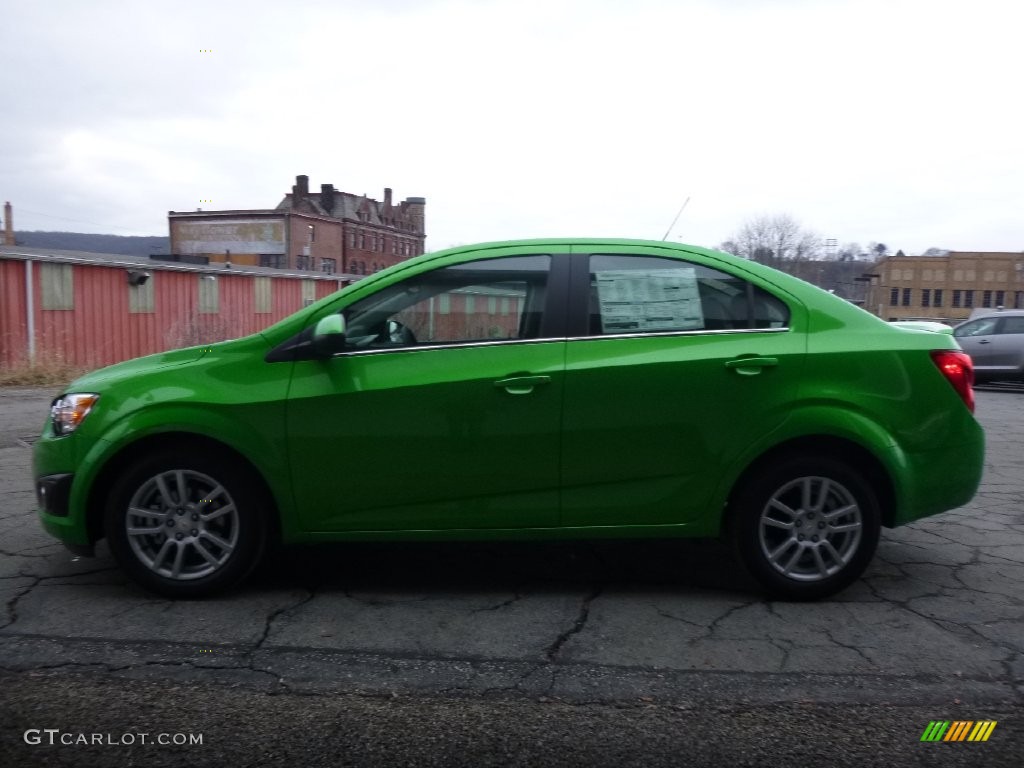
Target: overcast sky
[866, 120]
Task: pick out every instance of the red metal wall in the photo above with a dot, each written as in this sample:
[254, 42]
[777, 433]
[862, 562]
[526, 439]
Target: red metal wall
[101, 330]
[13, 336]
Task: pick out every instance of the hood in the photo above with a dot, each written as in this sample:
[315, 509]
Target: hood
[102, 378]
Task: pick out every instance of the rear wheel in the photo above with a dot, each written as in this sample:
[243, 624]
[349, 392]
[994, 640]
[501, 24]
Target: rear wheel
[806, 527]
[186, 525]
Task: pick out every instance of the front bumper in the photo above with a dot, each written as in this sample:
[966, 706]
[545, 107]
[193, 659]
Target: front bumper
[53, 493]
[58, 479]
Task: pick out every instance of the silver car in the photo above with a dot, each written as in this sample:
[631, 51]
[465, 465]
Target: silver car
[995, 343]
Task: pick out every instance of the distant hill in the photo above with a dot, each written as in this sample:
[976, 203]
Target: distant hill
[80, 241]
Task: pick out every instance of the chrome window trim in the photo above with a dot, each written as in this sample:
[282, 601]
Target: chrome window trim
[508, 342]
[701, 332]
[453, 345]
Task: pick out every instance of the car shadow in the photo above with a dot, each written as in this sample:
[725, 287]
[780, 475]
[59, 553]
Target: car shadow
[468, 567]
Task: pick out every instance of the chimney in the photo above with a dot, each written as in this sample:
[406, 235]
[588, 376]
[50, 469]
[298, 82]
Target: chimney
[301, 188]
[8, 225]
[327, 197]
[387, 197]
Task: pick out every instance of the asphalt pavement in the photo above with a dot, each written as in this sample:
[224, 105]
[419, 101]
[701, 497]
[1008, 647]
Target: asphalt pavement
[609, 653]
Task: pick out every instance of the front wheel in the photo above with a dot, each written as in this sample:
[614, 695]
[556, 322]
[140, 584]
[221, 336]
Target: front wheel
[805, 528]
[186, 524]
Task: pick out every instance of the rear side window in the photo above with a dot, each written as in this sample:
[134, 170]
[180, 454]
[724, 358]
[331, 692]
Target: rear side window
[649, 294]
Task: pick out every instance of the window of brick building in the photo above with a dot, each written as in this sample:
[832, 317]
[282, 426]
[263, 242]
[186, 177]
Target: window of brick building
[926, 297]
[986, 298]
[968, 298]
[956, 298]
[328, 265]
[1000, 298]
[906, 296]
[938, 298]
[894, 297]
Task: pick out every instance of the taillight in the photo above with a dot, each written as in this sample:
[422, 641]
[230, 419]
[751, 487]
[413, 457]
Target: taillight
[959, 371]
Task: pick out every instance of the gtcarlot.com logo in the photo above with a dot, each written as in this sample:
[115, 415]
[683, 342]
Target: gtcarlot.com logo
[55, 736]
[958, 730]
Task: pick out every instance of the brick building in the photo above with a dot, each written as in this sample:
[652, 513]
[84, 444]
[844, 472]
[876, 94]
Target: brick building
[327, 231]
[946, 287]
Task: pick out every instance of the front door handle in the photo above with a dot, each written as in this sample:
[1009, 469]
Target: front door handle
[751, 366]
[521, 385]
[985, 341]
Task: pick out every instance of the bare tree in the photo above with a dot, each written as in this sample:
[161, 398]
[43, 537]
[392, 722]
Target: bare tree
[772, 239]
[850, 252]
[878, 250]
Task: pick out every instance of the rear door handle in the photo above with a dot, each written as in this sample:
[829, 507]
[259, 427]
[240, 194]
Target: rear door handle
[751, 366]
[521, 385]
[985, 341]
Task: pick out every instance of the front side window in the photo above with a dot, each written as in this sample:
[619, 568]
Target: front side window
[649, 294]
[977, 328]
[456, 304]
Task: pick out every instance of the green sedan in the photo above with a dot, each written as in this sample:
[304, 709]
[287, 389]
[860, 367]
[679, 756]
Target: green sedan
[524, 390]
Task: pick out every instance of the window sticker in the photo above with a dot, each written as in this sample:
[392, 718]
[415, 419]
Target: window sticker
[635, 300]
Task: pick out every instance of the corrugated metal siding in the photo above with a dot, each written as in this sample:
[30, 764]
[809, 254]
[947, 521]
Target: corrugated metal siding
[101, 329]
[13, 328]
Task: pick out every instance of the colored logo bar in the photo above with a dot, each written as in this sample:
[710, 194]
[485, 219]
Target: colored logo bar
[958, 730]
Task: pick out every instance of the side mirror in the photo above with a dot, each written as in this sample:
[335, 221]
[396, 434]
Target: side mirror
[329, 336]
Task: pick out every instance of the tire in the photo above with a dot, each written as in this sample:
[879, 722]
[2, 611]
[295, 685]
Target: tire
[197, 548]
[805, 528]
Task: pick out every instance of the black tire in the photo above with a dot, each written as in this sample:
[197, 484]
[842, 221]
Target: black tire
[805, 551]
[204, 545]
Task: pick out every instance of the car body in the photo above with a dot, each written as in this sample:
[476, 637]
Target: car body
[923, 325]
[523, 390]
[995, 342]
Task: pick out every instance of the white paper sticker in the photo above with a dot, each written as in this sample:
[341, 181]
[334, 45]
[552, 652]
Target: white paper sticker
[636, 300]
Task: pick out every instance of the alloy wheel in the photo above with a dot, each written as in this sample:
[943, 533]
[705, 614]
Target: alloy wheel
[182, 524]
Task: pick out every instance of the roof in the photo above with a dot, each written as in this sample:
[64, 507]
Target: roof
[349, 206]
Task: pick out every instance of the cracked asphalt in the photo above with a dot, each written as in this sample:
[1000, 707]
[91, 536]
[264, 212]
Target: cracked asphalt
[609, 653]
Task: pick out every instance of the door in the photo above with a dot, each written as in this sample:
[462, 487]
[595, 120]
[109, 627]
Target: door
[678, 370]
[979, 340]
[443, 411]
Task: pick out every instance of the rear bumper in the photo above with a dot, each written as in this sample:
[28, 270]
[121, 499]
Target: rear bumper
[943, 478]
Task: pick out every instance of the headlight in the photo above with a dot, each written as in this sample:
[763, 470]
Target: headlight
[70, 410]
